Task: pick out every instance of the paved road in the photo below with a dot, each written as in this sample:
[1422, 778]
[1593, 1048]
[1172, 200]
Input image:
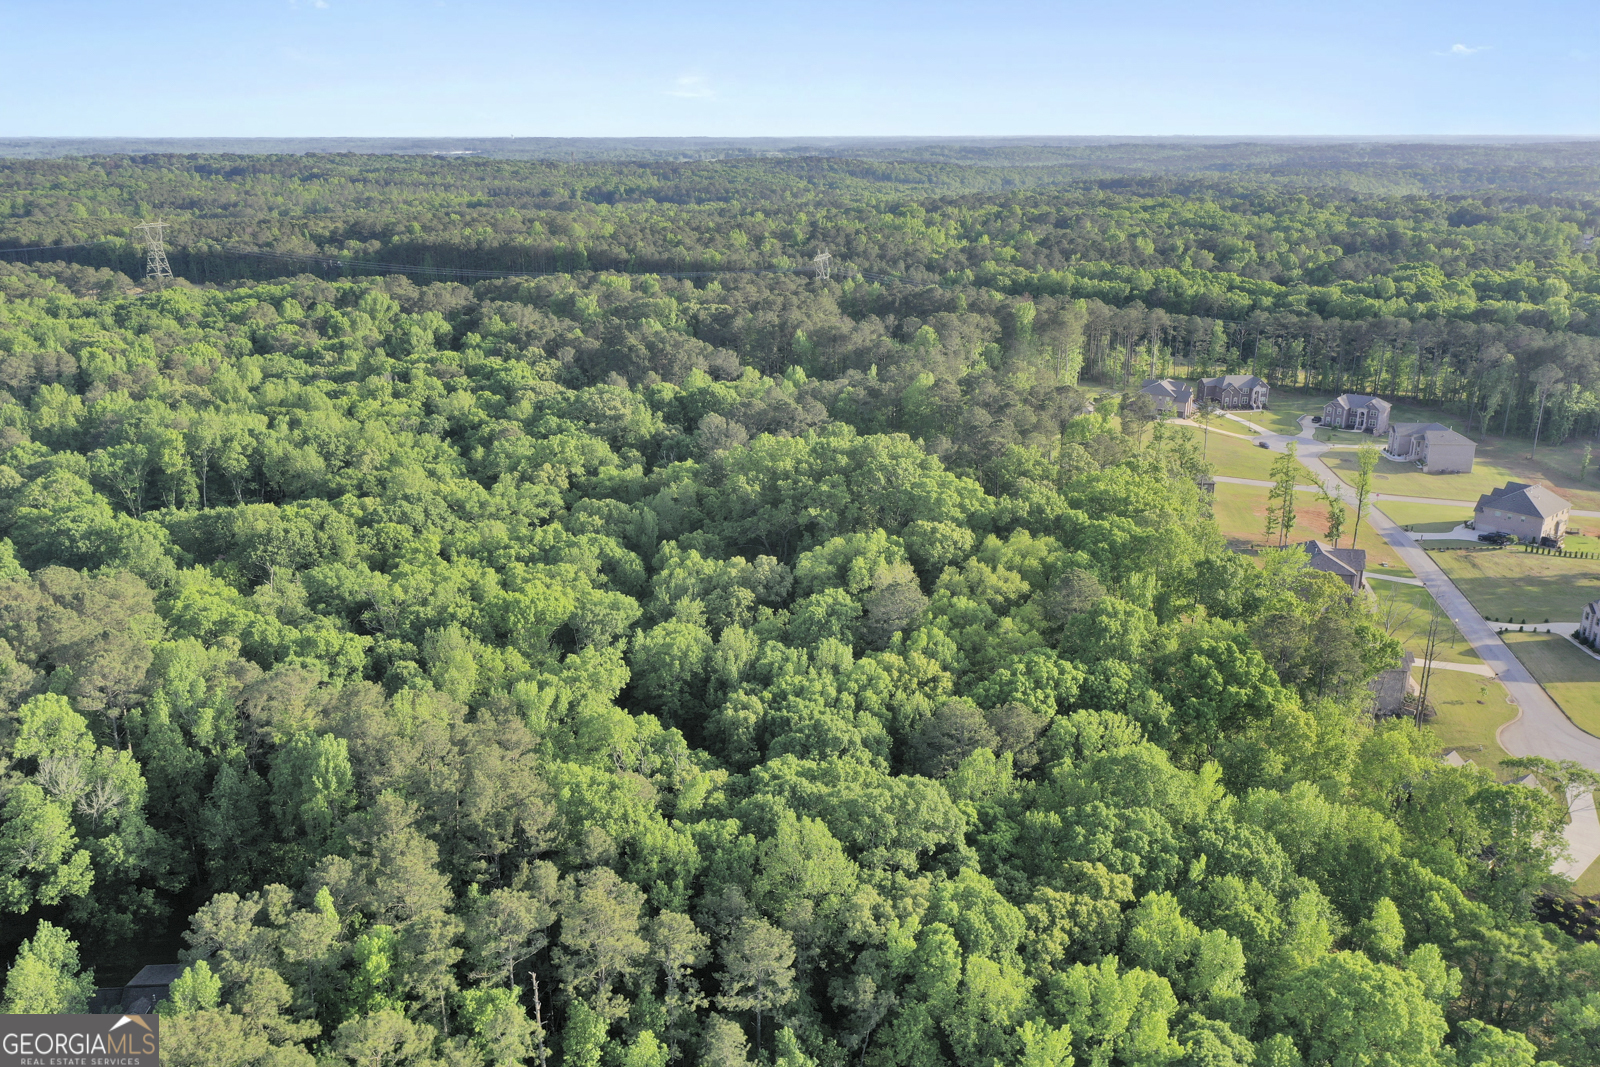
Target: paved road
[1540, 728]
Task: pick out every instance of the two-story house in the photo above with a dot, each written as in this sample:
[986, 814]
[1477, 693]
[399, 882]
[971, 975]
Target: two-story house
[1436, 449]
[1352, 411]
[1234, 391]
[1170, 395]
[1348, 564]
[1530, 513]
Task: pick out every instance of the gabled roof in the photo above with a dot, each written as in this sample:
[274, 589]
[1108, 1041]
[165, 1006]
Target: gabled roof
[1357, 400]
[1406, 429]
[1170, 388]
[1442, 436]
[1239, 381]
[157, 974]
[1345, 562]
[1520, 498]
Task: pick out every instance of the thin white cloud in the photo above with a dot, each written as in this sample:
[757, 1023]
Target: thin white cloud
[693, 87]
[1463, 50]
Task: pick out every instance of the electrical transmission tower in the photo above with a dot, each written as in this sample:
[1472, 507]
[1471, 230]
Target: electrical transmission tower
[820, 261]
[156, 266]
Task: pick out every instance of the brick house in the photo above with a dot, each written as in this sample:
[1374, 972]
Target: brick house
[1232, 391]
[1353, 411]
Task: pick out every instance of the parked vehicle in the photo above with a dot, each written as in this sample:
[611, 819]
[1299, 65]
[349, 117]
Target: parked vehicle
[1549, 542]
[1262, 444]
[1497, 538]
[1469, 524]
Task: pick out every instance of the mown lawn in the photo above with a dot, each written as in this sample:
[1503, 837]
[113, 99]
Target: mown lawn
[1588, 883]
[1512, 584]
[1234, 458]
[1470, 709]
[1287, 407]
[1569, 675]
[1425, 518]
[1403, 479]
[1241, 514]
[1404, 610]
[1499, 460]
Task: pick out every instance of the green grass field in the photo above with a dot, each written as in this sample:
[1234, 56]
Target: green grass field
[1425, 518]
[1234, 458]
[1588, 883]
[1241, 513]
[1404, 610]
[1498, 461]
[1569, 675]
[1511, 584]
[1470, 709]
[1403, 479]
[1287, 407]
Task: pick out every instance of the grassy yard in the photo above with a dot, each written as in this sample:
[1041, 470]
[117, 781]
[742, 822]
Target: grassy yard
[1404, 610]
[1499, 460]
[1470, 709]
[1570, 676]
[1403, 479]
[1234, 458]
[1588, 883]
[1287, 407]
[1343, 438]
[1425, 518]
[1510, 583]
[1241, 514]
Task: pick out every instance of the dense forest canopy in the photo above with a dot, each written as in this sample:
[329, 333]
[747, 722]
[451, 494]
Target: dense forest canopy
[612, 668]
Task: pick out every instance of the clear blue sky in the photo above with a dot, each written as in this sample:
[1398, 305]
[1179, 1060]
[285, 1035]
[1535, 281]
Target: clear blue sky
[818, 67]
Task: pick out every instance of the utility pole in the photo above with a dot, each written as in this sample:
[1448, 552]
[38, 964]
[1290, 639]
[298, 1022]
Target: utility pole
[156, 266]
[820, 261]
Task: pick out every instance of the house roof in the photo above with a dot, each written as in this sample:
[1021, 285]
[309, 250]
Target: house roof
[1442, 436]
[1241, 381]
[1357, 400]
[1345, 562]
[1521, 498]
[1456, 759]
[1170, 388]
[1406, 429]
[157, 974]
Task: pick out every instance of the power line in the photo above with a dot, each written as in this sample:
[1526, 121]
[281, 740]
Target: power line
[157, 265]
[47, 248]
[329, 262]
